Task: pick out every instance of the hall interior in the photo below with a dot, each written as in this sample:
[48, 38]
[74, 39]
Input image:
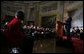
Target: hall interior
[49, 18]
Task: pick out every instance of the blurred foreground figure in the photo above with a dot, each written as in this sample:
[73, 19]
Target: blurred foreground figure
[15, 35]
[14, 29]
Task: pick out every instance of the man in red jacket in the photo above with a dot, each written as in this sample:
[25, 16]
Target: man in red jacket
[14, 29]
[15, 36]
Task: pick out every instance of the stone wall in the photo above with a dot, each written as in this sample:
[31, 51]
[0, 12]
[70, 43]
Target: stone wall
[34, 11]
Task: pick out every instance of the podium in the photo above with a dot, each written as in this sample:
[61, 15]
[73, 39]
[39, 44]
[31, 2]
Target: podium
[60, 29]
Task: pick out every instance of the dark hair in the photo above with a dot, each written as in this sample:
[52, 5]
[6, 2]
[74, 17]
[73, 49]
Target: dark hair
[73, 27]
[20, 15]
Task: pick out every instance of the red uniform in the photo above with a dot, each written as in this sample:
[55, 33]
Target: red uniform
[14, 32]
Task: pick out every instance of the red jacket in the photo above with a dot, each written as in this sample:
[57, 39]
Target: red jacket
[14, 31]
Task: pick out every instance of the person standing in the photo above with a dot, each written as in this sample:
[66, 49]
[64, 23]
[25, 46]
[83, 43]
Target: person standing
[68, 27]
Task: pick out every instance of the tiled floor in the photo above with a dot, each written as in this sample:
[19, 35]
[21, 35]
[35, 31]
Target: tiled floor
[49, 46]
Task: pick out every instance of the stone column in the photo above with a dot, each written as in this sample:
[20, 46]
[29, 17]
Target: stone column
[60, 11]
[24, 9]
[37, 15]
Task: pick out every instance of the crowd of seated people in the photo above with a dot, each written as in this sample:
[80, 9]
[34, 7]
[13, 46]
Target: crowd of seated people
[76, 42]
[34, 31]
[38, 32]
[76, 32]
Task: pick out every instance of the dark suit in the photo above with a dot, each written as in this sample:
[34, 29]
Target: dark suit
[68, 26]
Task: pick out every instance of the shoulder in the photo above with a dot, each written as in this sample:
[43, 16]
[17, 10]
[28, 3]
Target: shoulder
[16, 21]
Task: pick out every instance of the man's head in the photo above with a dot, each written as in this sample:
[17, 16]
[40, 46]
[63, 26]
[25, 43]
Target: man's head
[20, 15]
[77, 27]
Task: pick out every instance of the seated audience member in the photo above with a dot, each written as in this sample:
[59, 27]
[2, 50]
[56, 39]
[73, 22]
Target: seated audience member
[81, 34]
[38, 29]
[28, 28]
[25, 29]
[73, 31]
[31, 30]
[5, 25]
[81, 30]
[78, 32]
